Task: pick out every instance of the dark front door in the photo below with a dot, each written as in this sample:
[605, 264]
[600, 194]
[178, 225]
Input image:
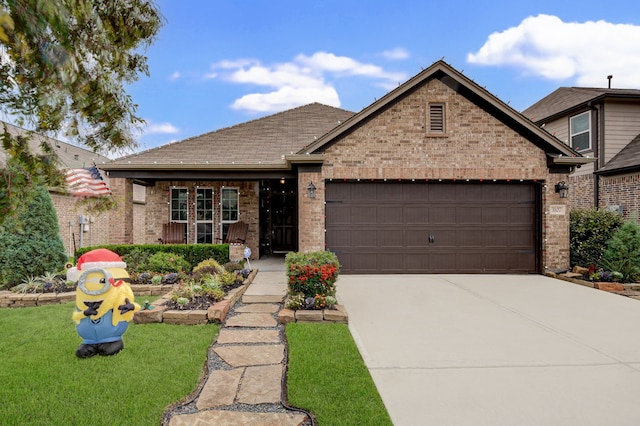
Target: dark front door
[278, 216]
[385, 227]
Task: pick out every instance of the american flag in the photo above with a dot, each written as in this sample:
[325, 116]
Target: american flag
[87, 182]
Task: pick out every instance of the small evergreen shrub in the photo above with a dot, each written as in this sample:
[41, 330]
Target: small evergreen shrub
[623, 252]
[30, 243]
[589, 231]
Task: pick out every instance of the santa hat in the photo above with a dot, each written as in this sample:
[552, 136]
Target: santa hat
[98, 258]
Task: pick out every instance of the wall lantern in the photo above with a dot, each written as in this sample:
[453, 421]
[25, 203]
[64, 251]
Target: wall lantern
[562, 189]
[311, 190]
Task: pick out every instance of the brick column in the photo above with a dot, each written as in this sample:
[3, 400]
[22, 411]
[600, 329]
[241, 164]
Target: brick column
[121, 219]
[311, 211]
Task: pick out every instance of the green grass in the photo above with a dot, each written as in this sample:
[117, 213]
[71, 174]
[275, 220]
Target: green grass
[327, 376]
[43, 383]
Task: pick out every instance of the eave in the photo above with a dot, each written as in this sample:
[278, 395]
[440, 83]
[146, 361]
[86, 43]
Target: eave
[203, 171]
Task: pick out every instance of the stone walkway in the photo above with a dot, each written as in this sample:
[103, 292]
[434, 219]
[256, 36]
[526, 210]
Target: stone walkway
[246, 363]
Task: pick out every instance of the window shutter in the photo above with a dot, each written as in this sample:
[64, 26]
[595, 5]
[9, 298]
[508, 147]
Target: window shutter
[436, 118]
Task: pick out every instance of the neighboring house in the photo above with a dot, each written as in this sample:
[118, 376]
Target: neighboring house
[603, 124]
[73, 233]
[438, 176]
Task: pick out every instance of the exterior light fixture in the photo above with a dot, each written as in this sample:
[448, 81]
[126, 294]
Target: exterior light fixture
[562, 189]
[311, 190]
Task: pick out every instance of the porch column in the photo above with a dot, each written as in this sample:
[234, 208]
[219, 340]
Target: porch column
[311, 212]
[121, 219]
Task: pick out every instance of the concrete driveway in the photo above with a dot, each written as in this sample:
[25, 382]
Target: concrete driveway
[496, 350]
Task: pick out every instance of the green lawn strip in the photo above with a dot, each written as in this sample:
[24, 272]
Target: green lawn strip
[43, 383]
[327, 376]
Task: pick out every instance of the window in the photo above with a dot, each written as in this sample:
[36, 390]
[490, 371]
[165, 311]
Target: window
[229, 209]
[179, 205]
[580, 127]
[204, 215]
[436, 118]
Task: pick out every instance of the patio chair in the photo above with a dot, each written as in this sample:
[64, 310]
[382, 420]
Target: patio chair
[173, 233]
[237, 233]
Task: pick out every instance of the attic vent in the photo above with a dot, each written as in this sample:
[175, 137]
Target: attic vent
[436, 118]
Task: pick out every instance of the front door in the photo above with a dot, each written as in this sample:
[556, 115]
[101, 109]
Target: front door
[278, 216]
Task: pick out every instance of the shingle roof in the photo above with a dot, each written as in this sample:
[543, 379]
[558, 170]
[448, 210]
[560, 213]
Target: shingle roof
[566, 98]
[70, 156]
[262, 141]
[626, 160]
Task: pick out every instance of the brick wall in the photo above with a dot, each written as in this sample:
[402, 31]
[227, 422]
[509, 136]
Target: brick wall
[68, 211]
[121, 219]
[581, 191]
[157, 209]
[395, 144]
[621, 191]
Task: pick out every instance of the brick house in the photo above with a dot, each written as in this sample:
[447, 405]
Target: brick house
[70, 214]
[603, 124]
[437, 176]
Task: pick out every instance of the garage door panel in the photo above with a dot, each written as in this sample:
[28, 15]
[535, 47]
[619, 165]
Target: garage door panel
[474, 228]
[442, 215]
[470, 238]
[469, 215]
[416, 238]
[415, 214]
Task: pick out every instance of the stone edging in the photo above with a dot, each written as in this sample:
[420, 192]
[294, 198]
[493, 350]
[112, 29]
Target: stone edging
[338, 315]
[606, 286]
[160, 313]
[9, 299]
[216, 313]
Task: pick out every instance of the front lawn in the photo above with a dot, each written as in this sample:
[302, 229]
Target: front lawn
[327, 376]
[43, 383]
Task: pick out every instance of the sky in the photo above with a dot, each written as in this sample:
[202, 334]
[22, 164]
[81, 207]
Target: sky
[218, 63]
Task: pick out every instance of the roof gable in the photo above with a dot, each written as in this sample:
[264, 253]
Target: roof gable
[260, 142]
[466, 87]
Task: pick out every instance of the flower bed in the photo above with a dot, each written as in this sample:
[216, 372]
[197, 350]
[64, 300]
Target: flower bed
[311, 280]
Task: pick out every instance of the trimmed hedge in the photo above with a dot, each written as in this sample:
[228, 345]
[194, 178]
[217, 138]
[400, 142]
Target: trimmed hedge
[192, 253]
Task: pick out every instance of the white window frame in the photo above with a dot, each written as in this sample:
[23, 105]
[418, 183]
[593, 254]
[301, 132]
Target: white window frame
[186, 204]
[581, 132]
[224, 221]
[197, 220]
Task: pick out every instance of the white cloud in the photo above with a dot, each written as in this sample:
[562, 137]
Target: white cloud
[584, 52]
[397, 54]
[162, 128]
[303, 80]
[174, 76]
[287, 97]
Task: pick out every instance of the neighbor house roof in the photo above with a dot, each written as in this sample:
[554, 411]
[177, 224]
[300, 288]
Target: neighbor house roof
[565, 99]
[627, 160]
[70, 156]
[558, 153]
[263, 144]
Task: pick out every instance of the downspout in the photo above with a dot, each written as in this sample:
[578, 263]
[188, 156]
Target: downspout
[599, 138]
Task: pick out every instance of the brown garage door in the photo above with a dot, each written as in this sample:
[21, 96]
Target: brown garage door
[384, 227]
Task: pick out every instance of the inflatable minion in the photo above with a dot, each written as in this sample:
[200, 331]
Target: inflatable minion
[104, 302]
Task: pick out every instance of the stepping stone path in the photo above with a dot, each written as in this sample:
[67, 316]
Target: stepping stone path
[246, 368]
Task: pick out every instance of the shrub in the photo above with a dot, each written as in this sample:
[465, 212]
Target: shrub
[623, 252]
[137, 260]
[167, 262]
[312, 273]
[192, 253]
[210, 265]
[590, 230]
[30, 241]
